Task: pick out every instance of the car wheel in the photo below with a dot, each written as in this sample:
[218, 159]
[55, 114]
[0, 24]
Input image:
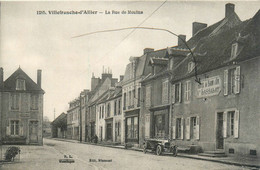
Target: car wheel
[159, 150]
[174, 151]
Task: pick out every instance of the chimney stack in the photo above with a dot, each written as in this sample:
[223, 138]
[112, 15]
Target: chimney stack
[147, 50]
[230, 9]
[121, 77]
[181, 38]
[197, 26]
[1, 77]
[39, 77]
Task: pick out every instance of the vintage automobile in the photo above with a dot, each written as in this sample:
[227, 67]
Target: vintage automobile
[159, 146]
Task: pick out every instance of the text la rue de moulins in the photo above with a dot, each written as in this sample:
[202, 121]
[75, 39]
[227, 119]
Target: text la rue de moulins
[86, 12]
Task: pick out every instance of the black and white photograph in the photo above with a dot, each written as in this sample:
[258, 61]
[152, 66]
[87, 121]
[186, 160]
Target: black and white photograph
[111, 85]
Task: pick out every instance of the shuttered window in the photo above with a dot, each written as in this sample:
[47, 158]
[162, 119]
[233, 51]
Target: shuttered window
[15, 101]
[176, 93]
[231, 124]
[148, 96]
[187, 90]
[165, 92]
[34, 101]
[232, 81]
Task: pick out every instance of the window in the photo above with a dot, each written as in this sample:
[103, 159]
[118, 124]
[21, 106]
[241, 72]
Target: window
[232, 81]
[179, 128]
[187, 90]
[138, 97]
[15, 101]
[148, 96]
[132, 128]
[231, 116]
[176, 93]
[165, 92]
[14, 127]
[20, 84]
[124, 101]
[193, 127]
[159, 126]
[115, 107]
[133, 97]
[119, 107]
[231, 124]
[34, 102]
[191, 66]
[103, 109]
[130, 98]
[100, 112]
[234, 51]
[108, 110]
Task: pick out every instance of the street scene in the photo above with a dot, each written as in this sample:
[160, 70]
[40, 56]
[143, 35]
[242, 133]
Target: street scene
[48, 155]
[130, 85]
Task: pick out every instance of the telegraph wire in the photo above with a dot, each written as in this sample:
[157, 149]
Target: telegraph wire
[149, 28]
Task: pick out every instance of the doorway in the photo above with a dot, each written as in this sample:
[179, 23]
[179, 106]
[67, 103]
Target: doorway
[33, 131]
[109, 131]
[219, 137]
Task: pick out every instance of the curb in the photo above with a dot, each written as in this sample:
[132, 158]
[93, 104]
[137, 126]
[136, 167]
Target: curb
[179, 155]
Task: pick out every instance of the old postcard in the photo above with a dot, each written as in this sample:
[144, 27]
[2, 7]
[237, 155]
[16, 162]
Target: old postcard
[130, 85]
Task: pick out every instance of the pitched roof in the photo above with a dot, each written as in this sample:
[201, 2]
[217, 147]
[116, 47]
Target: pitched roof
[10, 83]
[213, 49]
[142, 67]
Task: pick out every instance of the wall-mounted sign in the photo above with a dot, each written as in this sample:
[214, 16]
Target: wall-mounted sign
[209, 87]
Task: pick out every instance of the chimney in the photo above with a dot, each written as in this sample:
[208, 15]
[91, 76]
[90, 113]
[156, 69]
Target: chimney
[121, 77]
[197, 26]
[181, 38]
[147, 50]
[39, 77]
[94, 82]
[230, 9]
[1, 77]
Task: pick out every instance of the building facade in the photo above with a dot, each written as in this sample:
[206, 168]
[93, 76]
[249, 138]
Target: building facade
[21, 108]
[219, 111]
[73, 120]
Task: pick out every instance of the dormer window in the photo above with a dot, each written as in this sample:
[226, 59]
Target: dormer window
[234, 50]
[191, 66]
[20, 84]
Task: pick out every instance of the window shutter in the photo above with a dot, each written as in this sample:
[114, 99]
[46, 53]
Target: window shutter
[173, 130]
[237, 80]
[21, 130]
[236, 124]
[198, 128]
[225, 82]
[225, 124]
[166, 92]
[173, 93]
[182, 125]
[8, 130]
[180, 92]
[188, 128]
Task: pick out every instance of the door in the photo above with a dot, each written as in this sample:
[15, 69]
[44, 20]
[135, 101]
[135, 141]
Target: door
[220, 139]
[33, 131]
[109, 131]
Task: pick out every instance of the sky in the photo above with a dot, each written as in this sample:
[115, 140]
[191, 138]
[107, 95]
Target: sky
[45, 42]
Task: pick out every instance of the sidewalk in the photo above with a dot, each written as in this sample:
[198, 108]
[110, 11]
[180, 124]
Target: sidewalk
[238, 161]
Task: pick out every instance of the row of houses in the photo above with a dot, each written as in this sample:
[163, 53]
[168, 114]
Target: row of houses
[202, 92]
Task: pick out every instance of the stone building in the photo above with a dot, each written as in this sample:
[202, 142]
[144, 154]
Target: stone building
[73, 120]
[59, 126]
[98, 87]
[21, 108]
[215, 98]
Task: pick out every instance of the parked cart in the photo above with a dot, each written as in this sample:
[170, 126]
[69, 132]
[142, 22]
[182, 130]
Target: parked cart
[159, 146]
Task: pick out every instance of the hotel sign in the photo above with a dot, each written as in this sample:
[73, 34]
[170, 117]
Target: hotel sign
[209, 87]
